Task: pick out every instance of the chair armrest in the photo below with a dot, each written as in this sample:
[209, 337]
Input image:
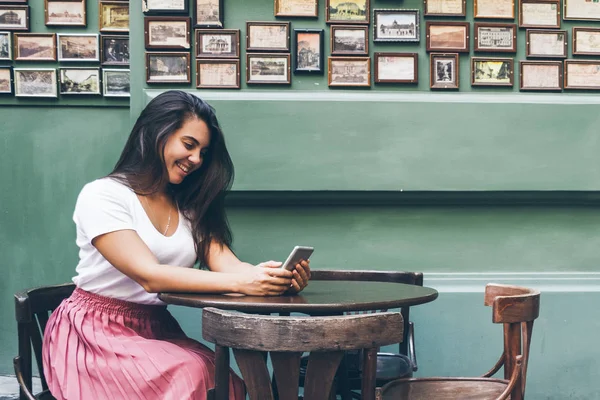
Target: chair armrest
[19, 373]
[412, 353]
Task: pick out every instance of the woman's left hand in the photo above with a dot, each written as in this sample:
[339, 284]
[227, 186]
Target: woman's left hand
[301, 277]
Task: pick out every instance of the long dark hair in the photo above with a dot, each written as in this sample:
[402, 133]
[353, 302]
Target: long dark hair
[201, 195]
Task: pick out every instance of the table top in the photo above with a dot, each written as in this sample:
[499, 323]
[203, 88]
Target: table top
[317, 297]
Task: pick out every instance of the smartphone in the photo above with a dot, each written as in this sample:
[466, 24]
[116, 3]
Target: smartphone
[298, 253]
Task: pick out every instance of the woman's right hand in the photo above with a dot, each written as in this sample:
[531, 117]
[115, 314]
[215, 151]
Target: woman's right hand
[266, 279]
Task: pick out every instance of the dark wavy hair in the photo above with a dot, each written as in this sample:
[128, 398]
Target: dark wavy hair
[200, 197]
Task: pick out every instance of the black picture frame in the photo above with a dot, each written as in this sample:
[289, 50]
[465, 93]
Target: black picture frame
[304, 67]
[208, 23]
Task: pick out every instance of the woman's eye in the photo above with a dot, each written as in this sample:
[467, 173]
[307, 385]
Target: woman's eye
[188, 146]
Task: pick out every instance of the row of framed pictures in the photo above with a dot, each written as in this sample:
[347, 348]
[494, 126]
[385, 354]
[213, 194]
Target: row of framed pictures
[44, 82]
[208, 13]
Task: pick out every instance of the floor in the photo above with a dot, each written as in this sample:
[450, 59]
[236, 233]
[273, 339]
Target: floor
[9, 388]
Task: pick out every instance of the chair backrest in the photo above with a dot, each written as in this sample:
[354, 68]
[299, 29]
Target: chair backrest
[326, 338]
[32, 310]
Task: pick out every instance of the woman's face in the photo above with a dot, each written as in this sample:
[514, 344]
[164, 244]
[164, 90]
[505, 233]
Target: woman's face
[185, 149]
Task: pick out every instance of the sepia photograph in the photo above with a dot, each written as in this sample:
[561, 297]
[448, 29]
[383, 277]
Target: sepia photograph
[35, 46]
[396, 67]
[114, 50]
[209, 13]
[586, 41]
[218, 74]
[309, 50]
[582, 74]
[500, 9]
[35, 82]
[78, 47]
[165, 6]
[349, 71]
[5, 46]
[541, 75]
[115, 82]
[65, 13]
[268, 68]
[445, 8]
[221, 43]
[267, 36]
[539, 13]
[396, 26]
[584, 10]
[296, 8]
[349, 40]
[447, 36]
[6, 86]
[14, 18]
[492, 71]
[80, 81]
[497, 38]
[168, 68]
[443, 71]
[347, 11]
[546, 43]
[113, 16]
[167, 33]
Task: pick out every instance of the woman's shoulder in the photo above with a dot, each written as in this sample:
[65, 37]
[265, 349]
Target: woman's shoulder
[107, 186]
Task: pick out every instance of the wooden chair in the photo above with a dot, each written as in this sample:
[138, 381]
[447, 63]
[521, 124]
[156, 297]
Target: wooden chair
[32, 309]
[516, 308]
[286, 337]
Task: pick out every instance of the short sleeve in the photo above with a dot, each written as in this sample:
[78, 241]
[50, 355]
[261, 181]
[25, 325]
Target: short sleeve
[103, 207]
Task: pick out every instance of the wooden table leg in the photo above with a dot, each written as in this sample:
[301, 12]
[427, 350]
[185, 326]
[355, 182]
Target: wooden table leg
[221, 372]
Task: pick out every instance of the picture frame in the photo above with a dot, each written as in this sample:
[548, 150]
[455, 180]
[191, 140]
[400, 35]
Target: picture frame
[543, 43]
[167, 33]
[14, 18]
[347, 11]
[296, 8]
[65, 13]
[6, 80]
[268, 68]
[113, 16]
[349, 72]
[496, 38]
[79, 81]
[396, 67]
[309, 50]
[116, 82]
[5, 46]
[15, 1]
[444, 8]
[585, 41]
[165, 6]
[581, 10]
[447, 36]
[217, 74]
[267, 36]
[496, 9]
[78, 46]
[396, 25]
[221, 43]
[349, 40]
[114, 50]
[35, 46]
[582, 74]
[35, 82]
[168, 67]
[492, 71]
[444, 71]
[541, 76]
[539, 14]
[208, 14]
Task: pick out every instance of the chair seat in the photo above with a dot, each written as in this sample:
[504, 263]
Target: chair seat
[444, 389]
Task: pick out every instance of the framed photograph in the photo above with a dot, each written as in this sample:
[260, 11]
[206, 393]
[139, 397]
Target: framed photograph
[447, 36]
[539, 13]
[584, 10]
[165, 6]
[35, 82]
[586, 41]
[209, 13]
[546, 43]
[268, 36]
[6, 80]
[115, 82]
[582, 74]
[78, 47]
[350, 40]
[65, 13]
[309, 50]
[217, 74]
[492, 71]
[497, 38]
[349, 71]
[5, 46]
[168, 67]
[541, 75]
[114, 50]
[498, 9]
[443, 71]
[268, 69]
[80, 81]
[396, 67]
[221, 43]
[445, 8]
[347, 11]
[113, 16]
[35, 46]
[396, 26]
[297, 8]
[167, 33]
[14, 18]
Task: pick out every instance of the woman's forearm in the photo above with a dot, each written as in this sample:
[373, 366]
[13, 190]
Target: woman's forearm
[169, 278]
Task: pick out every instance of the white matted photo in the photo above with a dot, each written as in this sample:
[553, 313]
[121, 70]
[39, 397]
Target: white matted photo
[217, 74]
[491, 37]
[582, 74]
[445, 8]
[14, 18]
[115, 82]
[539, 14]
[582, 10]
[221, 43]
[586, 41]
[443, 71]
[35, 82]
[80, 81]
[67, 13]
[396, 25]
[78, 47]
[268, 68]
[396, 67]
[166, 6]
[499, 9]
[541, 75]
[546, 43]
[267, 36]
[167, 32]
[349, 71]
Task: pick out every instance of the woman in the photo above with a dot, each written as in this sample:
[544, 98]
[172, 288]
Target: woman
[139, 230]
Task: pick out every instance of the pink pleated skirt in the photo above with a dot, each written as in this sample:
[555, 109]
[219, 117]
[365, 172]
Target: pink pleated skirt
[100, 348]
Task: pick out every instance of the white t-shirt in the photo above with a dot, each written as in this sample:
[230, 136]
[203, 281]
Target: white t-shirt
[106, 205]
